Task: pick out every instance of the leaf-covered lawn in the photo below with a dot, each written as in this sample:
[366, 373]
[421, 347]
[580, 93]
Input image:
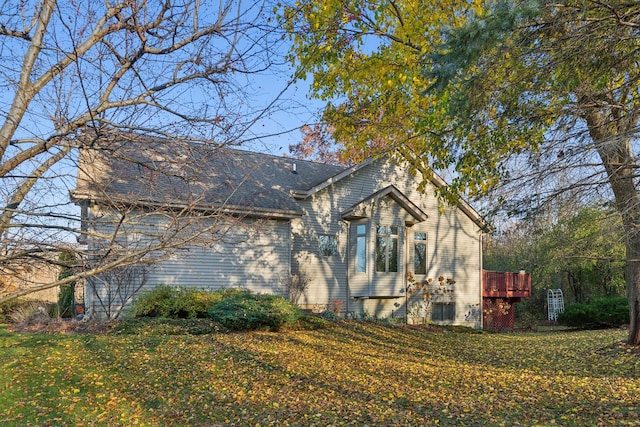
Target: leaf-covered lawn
[349, 374]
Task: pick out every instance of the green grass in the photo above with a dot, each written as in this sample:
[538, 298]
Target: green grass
[345, 374]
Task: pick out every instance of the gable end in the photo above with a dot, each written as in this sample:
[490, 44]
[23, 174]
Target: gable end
[359, 210]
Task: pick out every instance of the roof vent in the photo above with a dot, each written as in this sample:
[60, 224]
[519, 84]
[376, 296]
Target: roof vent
[294, 168]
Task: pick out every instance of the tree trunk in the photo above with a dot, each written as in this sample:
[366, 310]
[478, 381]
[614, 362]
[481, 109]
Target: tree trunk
[614, 147]
[632, 277]
[627, 203]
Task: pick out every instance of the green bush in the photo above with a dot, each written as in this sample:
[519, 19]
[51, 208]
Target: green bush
[329, 315]
[255, 311]
[65, 302]
[178, 302]
[612, 311]
[601, 312]
[65, 307]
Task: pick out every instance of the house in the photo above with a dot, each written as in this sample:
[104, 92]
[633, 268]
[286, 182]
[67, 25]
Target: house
[353, 235]
[16, 276]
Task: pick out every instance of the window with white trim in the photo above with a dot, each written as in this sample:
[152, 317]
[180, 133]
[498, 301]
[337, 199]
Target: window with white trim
[387, 249]
[420, 253]
[361, 248]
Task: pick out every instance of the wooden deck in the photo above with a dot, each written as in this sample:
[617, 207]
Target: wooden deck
[499, 284]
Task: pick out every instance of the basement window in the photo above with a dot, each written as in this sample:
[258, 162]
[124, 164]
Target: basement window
[443, 312]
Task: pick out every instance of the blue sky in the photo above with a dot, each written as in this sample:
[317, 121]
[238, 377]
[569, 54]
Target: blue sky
[279, 128]
[272, 132]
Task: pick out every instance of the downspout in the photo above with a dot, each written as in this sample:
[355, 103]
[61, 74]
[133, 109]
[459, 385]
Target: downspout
[290, 254]
[481, 309]
[347, 255]
[89, 282]
[370, 247]
[406, 270]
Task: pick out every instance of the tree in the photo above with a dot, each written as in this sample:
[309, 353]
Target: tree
[580, 251]
[508, 92]
[74, 74]
[576, 96]
[316, 145]
[364, 57]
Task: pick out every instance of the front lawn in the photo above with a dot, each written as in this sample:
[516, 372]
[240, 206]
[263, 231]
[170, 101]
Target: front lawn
[347, 374]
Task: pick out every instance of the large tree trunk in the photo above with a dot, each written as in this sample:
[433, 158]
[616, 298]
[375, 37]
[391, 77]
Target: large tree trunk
[614, 147]
[628, 205]
[632, 277]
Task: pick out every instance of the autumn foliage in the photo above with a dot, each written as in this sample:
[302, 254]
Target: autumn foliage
[349, 373]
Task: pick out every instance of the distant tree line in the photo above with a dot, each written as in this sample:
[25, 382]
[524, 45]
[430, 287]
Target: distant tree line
[577, 249]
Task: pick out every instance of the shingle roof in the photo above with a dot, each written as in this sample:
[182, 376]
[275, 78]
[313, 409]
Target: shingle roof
[178, 173]
[173, 173]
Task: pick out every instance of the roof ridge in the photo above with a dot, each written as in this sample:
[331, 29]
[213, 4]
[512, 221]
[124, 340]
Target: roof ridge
[213, 145]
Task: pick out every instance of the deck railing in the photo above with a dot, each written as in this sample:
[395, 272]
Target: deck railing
[501, 284]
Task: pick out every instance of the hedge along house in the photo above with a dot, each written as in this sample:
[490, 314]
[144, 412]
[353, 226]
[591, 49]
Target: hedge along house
[353, 234]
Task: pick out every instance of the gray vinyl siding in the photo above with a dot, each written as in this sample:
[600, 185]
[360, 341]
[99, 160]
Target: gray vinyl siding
[327, 274]
[255, 258]
[453, 244]
[247, 253]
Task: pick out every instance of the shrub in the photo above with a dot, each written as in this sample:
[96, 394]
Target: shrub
[329, 315]
[153, 303]
[255, 311]
[178, 302]
[612, 311]
[6, 309]
[24, 311]
[65, 301]
[601, 312]
[65, 306]
[30, 312]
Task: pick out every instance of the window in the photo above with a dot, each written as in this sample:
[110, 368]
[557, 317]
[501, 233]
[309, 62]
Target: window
[361, 248]
[443, 312]
[387, 249]
[420, 253]
[328, 245]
